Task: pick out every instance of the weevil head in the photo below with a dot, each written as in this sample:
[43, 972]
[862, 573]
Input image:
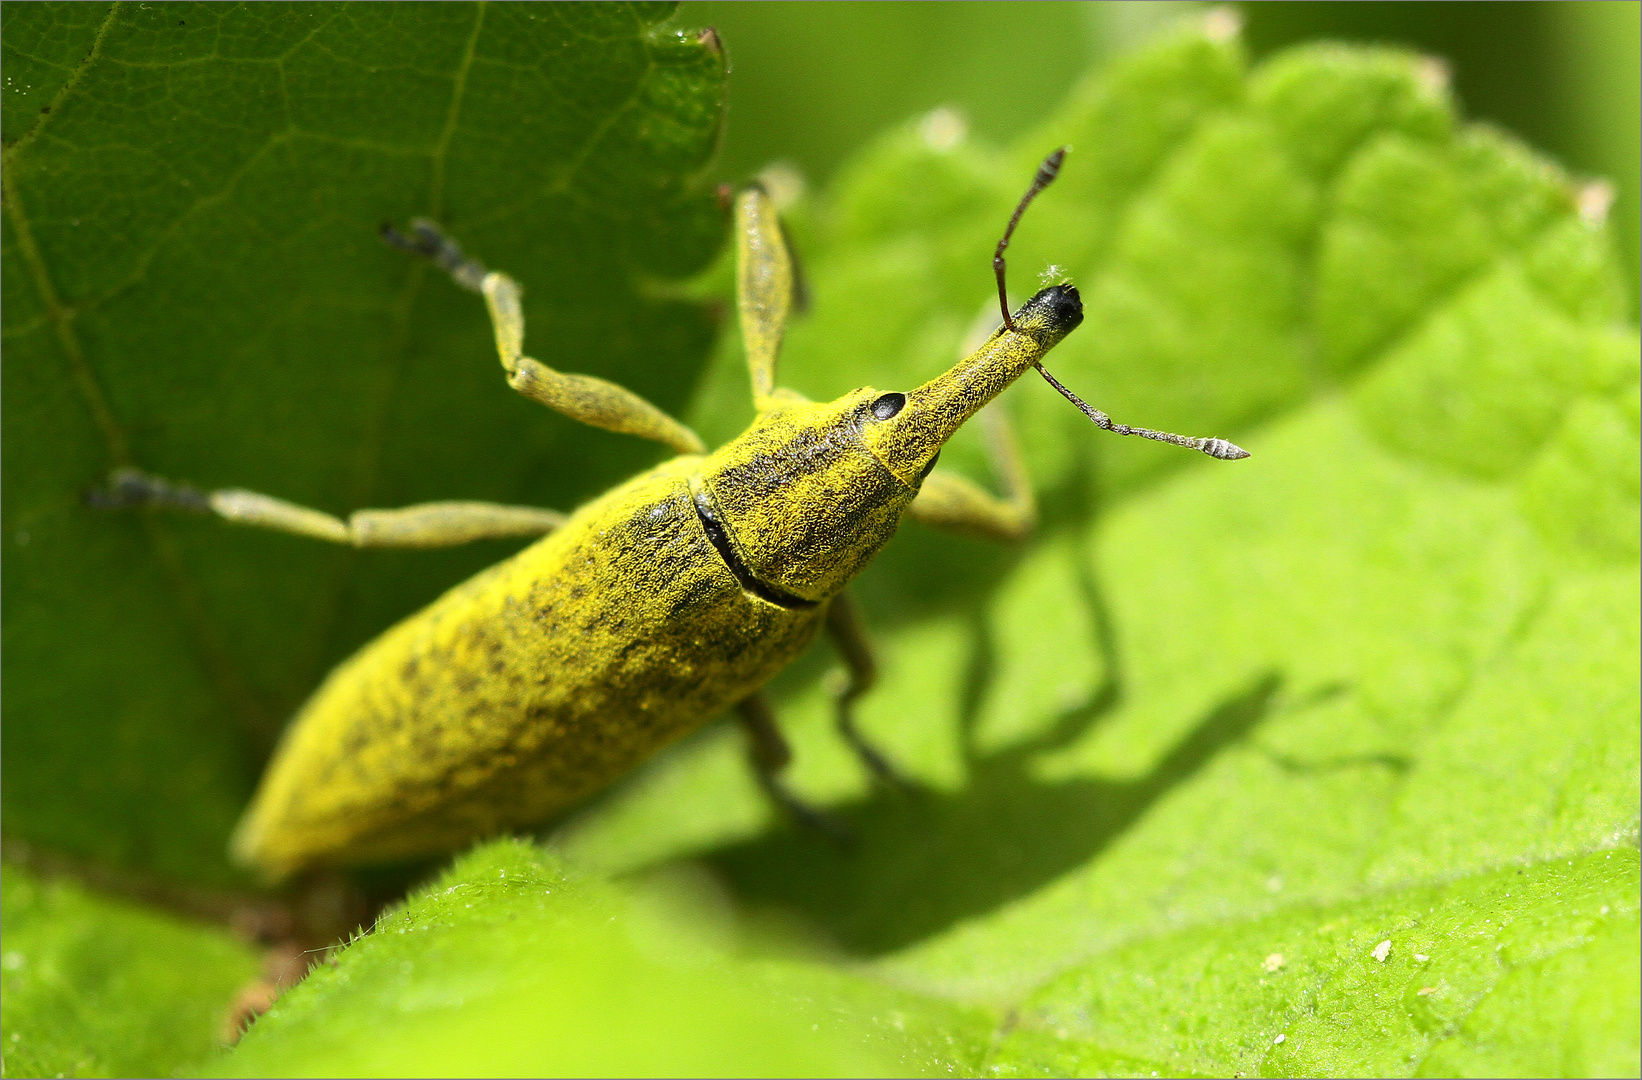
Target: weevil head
[810, 493]
[907, 441]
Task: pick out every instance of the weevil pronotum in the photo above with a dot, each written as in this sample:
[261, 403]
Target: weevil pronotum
[665, 602]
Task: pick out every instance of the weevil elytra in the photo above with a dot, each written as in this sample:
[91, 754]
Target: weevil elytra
[670, 599]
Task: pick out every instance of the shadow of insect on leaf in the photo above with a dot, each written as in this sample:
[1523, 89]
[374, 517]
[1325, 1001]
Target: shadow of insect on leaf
[1395, 763]
[1294, 765]
[925, 862]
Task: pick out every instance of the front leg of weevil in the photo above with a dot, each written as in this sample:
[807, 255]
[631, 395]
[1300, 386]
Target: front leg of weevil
[952, 502]
[764, 294]
[849, 635]
[424, 525]
[591, 400]
[770, 756]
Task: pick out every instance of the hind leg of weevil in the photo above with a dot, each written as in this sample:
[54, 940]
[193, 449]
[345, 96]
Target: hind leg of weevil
[591, 400]
[424, 525]
[770, 756]
[849, 636]
[949, 501]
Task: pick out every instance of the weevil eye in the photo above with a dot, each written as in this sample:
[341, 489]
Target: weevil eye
[888, 405]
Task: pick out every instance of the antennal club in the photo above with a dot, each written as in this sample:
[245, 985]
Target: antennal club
[1046, 176]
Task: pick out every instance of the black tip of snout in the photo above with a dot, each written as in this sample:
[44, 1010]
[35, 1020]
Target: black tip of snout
[1059, 305]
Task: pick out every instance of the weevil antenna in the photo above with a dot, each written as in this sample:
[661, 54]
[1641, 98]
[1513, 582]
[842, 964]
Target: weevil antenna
[1215, 448]
[1046, 176]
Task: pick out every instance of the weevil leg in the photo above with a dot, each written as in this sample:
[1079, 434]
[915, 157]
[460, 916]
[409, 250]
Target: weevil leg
[949, 501]
[590, 400]
[770, 756]
[424, 525]
[765, 277]
[429, 241]
[848, 632]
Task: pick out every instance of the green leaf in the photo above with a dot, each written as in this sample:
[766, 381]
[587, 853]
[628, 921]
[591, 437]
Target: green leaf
[510, 964]
[193, 284]
[96, 987]
[1377, 683]
[1512, 973]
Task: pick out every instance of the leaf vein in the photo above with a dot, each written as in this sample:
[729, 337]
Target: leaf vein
[62, 94]
[214, 658]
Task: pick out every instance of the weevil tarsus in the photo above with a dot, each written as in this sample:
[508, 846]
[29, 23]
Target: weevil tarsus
[585, 398]
[129, 488]
[433, 243]
[421, 525]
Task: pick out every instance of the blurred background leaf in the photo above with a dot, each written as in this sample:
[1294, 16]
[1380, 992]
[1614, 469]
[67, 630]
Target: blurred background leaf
[1212, 716]
[96, 987]
[811, 85]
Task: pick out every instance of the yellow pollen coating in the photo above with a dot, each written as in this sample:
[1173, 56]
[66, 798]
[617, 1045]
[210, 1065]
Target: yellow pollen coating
[524, 689]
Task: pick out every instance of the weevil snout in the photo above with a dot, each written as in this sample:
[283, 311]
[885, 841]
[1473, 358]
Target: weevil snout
[908, 439]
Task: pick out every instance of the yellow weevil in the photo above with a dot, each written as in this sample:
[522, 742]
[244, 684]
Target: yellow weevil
[659, 605]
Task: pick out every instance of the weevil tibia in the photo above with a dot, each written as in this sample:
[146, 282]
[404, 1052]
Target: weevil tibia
[669, 600]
